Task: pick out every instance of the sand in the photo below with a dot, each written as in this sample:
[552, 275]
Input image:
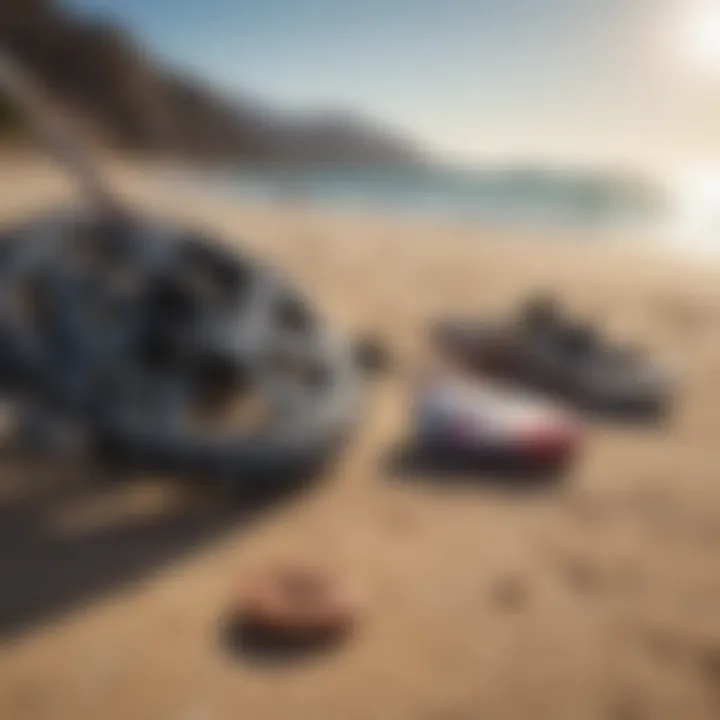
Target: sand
[595, 598]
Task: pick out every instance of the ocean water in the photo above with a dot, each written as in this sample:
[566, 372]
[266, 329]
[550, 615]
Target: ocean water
[499, 196]
[680, 212]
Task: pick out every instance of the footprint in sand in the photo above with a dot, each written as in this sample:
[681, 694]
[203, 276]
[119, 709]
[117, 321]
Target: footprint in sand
[626, 708]
[510, 593]
[709, 662]
[582, 575]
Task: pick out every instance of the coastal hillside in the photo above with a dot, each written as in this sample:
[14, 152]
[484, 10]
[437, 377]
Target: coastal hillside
[132, 102]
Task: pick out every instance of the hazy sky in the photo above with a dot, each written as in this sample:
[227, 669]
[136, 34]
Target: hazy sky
[626, 81]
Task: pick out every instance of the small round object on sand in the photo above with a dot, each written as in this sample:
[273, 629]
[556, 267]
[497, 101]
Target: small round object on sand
[373, 355]
[298, 603]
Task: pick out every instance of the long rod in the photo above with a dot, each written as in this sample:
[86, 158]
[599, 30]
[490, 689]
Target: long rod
[55, 133]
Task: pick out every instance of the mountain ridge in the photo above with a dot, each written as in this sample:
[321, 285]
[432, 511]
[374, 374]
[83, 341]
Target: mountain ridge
[131, 101]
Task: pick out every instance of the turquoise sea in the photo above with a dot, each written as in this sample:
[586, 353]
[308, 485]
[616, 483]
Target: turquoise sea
[682, 211]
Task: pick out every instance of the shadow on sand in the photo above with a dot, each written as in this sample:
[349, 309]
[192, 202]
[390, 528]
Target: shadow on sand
[495, 471]
[244, 642]
[51, 560]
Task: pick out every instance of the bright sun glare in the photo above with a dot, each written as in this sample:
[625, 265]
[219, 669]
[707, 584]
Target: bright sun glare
[697, 196]
[701, 36]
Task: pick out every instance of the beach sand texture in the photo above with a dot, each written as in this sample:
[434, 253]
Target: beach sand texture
[595, 598]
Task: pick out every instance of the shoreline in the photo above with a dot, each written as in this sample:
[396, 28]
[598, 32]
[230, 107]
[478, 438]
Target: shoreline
[660, 240]
[175, 177]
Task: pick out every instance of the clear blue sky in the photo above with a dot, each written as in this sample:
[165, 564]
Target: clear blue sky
[570, 80]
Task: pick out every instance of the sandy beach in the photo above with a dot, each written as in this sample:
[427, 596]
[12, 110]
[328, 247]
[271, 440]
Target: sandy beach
[598, 598]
